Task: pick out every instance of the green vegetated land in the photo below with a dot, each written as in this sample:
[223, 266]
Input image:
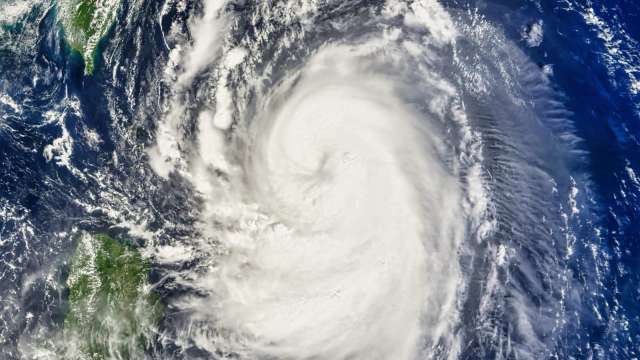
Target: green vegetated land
[111, 311]
[85, 23]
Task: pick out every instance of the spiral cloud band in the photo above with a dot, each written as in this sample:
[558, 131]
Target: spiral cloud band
[343, 179]
[366, 217]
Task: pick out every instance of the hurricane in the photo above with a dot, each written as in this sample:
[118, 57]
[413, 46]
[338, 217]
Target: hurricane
[305, 179]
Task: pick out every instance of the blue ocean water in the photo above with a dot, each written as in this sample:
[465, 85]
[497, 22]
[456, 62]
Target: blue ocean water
[595, 65]
[599, 78]
[592, 50]
[73, 158]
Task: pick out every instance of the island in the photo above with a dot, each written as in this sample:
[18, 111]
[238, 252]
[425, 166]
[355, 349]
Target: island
[85, 23]
[112, 311]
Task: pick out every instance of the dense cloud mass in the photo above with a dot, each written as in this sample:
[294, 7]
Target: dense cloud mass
[342, 172]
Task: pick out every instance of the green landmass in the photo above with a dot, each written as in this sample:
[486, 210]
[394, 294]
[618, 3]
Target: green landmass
[85, 23]
[112, 312]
